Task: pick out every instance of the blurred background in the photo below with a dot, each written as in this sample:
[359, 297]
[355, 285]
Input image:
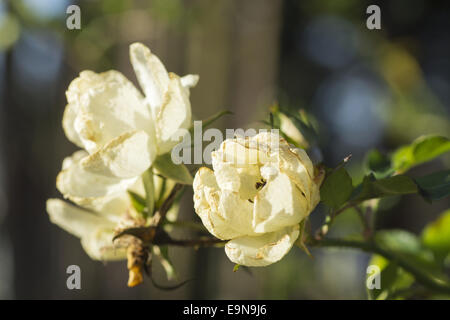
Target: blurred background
[366, 88]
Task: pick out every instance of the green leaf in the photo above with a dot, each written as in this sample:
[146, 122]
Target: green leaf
[423, 149]
[379, 164]
[162, 252]
[295, 128]
[337, 188]
[393, 278]
[138, 202]
[435, 186]
[371, 188]
[149, 187]
[176, 172]
[409, 247]
[207, 122]
[162, 186]
[236, 267]
[436, 235]
[388, 275]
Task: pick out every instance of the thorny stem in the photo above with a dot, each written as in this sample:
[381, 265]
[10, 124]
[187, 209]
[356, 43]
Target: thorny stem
[367, 232]
[202, 242]
[137, 253]
[187, 224]
[160, 214]
[421, 277]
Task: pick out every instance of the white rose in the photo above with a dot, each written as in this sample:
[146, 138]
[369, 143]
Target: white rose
[97, 220]
[122, 130]
[260, 190]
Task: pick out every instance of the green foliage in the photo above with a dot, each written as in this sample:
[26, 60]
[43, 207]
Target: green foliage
[337, 188]
[408, 247]
[387, 279]
[149, 187]
[162, 252]
[392, 277]
[435, 186]
[372, 188]
[403, 257]
[423, 149]
[115, 6]
[379, 164]
[138, 202]
[176, 172]
[9, 31]
[209, 121]
[297, 129]
[436, 235]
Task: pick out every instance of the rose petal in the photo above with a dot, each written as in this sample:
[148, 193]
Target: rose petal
[68, 123]
[76, 157]
[74, 220]
[99, 246]
[260, 251]
[190, 80]
[241, 152]
[174, 114]
[226, 174]
[151, 74]
[84, 187]
[237, 212]
[206, 204]
[279, 204]
[126, 156]
[298, 170]
[106, 105]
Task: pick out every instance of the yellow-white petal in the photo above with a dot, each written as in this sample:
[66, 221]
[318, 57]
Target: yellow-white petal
[241, 152]
[126, 156]
[112, 207]
[190, 80]
[237, 212]
[84, 187]
[304, 159]
[99, 246]
[76, 157]
[77, 221]
[263, 250]
[151, 74]
[174, 115]
[279, 204]
[68, 124]
[226, 174]
[298, 170]
[106, 105]
[206, 204]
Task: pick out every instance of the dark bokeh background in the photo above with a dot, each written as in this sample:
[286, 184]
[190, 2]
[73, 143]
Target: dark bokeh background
[366, 88]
